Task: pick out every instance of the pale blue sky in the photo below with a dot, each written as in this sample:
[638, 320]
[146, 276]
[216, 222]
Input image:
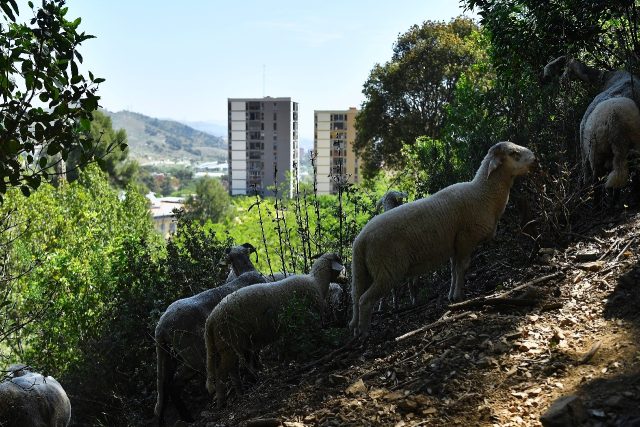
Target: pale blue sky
[182, 60]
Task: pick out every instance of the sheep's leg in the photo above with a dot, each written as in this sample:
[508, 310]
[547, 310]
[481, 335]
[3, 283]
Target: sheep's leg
[228, 365]
[394, 298]
[212, 359]
[376, 291]
[459, 266]
[382, 307]
[413, 290]
[183, 375]
[235, 380]
[620, 172]
[358, 284]
[166, 366]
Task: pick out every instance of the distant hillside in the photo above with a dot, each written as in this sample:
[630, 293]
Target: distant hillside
[155, 139]
[212, 128]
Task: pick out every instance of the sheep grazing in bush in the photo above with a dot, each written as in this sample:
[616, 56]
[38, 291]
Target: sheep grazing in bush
[609, 128]
[416, 237]
[30, 399]
[179, 333]
[248, 319]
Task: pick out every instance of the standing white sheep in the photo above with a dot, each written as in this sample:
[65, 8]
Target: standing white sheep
[179, 333]
[609, 128]
[28, 399]
[415, 238]
[248, 319]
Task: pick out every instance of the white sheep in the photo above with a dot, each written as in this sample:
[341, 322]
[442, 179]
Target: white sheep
[248, 319]
[416, 237]
[609, 128]
[28, 399]
[179, 333]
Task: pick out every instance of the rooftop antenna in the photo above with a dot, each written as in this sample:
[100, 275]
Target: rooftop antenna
[264, 79]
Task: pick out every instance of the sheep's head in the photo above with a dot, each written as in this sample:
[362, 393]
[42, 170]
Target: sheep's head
[332, 261]
[17, 370]
[391, 199]
[512, 158]
[553, 69]
[238, 253]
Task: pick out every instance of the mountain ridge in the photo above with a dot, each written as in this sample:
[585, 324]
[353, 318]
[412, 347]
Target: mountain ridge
[153, 139]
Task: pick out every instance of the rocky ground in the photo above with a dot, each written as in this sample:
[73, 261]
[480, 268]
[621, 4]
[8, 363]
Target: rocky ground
[542, 325]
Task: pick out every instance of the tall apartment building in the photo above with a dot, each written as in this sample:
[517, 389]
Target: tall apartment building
[333, 140]
[263, 138]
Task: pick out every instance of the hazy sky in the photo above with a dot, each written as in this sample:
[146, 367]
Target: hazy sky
[182, 60]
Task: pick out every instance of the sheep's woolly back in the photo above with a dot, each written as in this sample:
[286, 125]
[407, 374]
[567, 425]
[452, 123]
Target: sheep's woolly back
[613, 127]
[30, 399]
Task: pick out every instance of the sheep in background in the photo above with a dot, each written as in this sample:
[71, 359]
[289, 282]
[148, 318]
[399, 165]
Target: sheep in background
[609, 128]
[248, 319]
[179, 333]
[28, 399]
[389, 200]
[416, 237]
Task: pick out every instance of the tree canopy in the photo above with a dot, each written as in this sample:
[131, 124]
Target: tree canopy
[211, 201]
[408, 96]
[601, 32]
[110, 152]
[45, 102]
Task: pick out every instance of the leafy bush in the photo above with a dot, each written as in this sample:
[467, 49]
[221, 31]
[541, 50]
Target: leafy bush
[301, 332]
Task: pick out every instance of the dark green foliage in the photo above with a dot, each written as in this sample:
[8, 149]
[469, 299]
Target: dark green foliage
[110, 152]
[39, 65]
[193, 255]
[119, 366]
[301, 333]
[604, 32]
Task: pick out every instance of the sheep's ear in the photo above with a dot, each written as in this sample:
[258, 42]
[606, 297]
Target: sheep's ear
[249, 246]
[495, 162]
[336, 266]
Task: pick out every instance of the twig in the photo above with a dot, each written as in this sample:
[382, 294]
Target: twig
[615, 243]
[497, 302]
[480, 301]
[438, 322]
[624, 249]
[592, 351]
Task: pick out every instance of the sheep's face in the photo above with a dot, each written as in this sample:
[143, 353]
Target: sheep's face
[515, 159]
[235, 252]
[553, 69]
[335, 263]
